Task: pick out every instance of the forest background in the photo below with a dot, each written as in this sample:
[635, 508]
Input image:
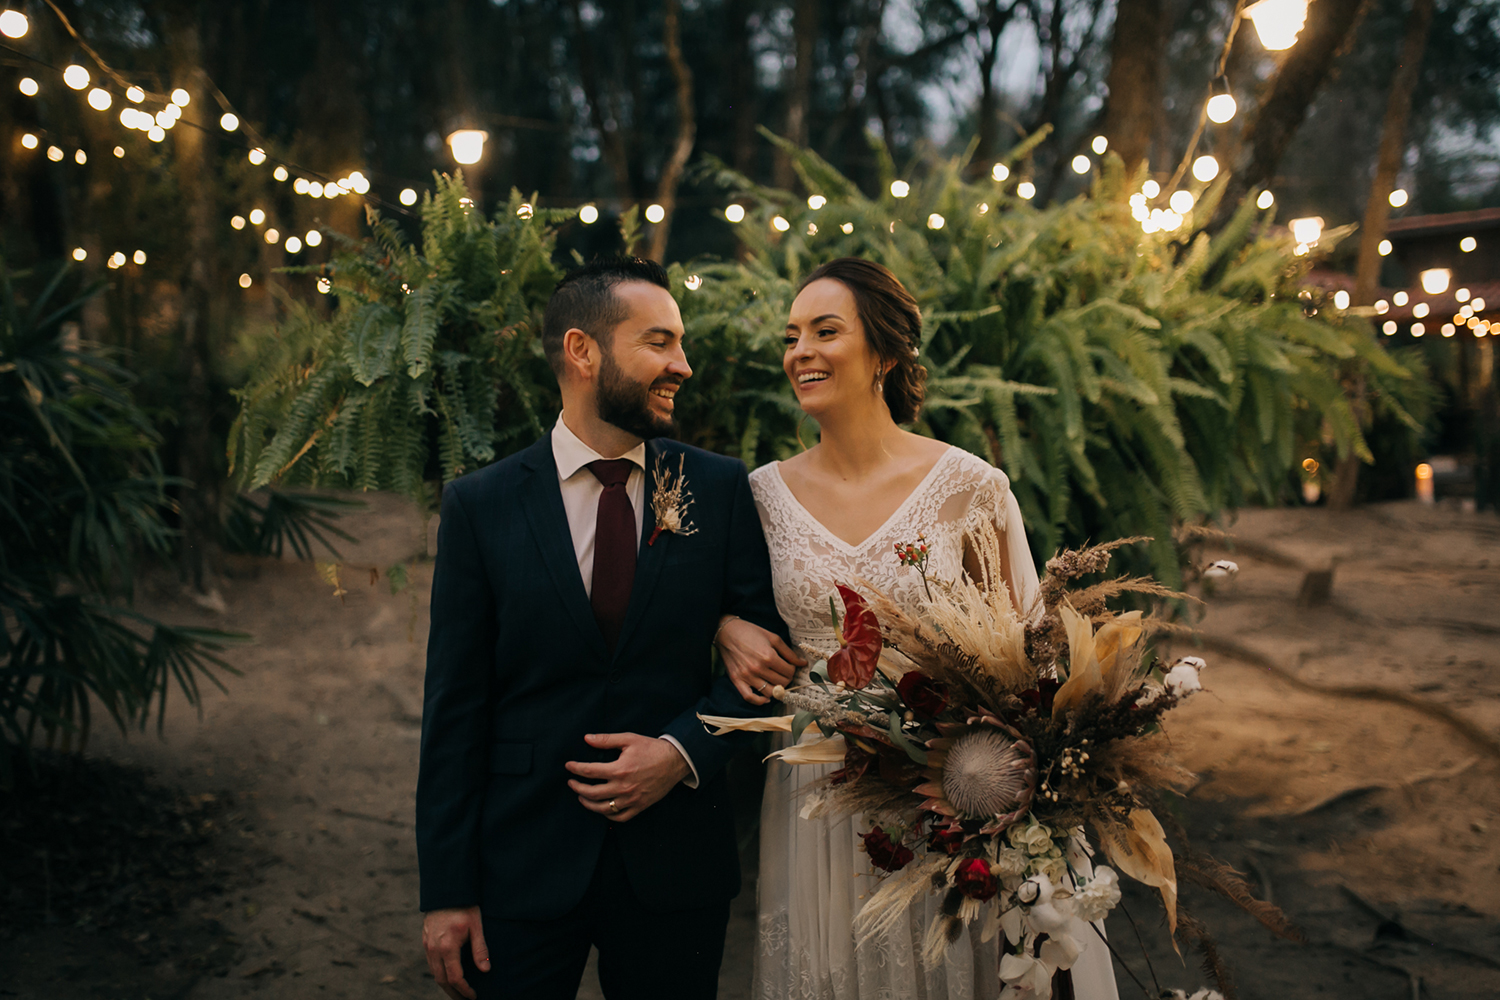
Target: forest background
[1126, 385]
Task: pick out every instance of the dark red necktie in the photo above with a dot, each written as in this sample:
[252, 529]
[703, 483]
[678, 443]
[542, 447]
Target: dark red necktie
[614, 548]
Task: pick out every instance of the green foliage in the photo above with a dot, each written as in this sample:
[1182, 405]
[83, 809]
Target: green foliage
[1126, 382]
[81, 496]
[430, 366]
[295, 520]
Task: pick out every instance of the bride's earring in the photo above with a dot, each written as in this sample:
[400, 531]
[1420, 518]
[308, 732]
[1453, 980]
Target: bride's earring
[879, 382]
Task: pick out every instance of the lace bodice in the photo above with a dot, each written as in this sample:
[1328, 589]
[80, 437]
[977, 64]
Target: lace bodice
[807, 559]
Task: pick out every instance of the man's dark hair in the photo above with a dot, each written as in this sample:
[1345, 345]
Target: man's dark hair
[586, 300]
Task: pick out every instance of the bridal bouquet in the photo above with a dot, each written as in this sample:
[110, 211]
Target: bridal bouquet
[980, 743]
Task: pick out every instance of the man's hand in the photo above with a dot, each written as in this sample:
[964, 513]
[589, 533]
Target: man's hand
[757, 660]
[443, 935]
[645, 771]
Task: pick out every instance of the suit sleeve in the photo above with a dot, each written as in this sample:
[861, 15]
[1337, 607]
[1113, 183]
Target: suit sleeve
[748, 594]
[455, 716]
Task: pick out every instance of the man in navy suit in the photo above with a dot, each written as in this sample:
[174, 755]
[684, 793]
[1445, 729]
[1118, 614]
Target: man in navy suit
[568, 796]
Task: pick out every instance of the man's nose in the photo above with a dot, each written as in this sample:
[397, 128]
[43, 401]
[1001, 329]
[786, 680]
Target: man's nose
[679, 364]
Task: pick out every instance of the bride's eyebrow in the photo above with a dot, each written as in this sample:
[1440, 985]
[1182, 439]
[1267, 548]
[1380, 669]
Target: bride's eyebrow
[817, 320]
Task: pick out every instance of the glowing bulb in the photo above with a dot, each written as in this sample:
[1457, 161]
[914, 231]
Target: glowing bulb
[1448, 329]
[467, 144]
[300, 185]
[734, 213]
[1384, 249]
[116, 261]
[80, 254]
[1265, 201]
[13, 24]
[238, 222]
[1026, 190]
[1300, 250]
[1099, 145]
[127, 117]
[1420, 310]
[984, 207]
[900, 189]
[1181, 202]
[28, 86]
[588, 215]
[181, 98]
[693, 282]
[139, 257]
[1221, 108]
[119, 152]
[29, 141]
[1468, 244]
[257, 156]
[1308, 230]
[229, 121]
[1436, 280]
[1466, 312]
[816, 201]
[315, 188]
[293, 245]
[1388, 327]
[847, 228]
[812, 229]
[272, 235]
[332, 191]
[1400, 299]
[257, 217]
[935, 221]
[80, 157]
[164, 120]
[1000, 172]
[135, 95]
[1341, 299]
[55, 154]
[76, 77]
[1382, 307]
[1150, 189]
[1478, 304]
[655, 213]
[780, 224]
[245, 281]
[1278, 21]
[1081, 164]
[1205, 168]
[324, 286]
[408, 196]
[313, 237]
[1398, 198]
[280, 173]
[1418, 329]
[1462, 295]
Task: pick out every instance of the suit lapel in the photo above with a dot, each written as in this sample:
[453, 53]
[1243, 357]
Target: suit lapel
[650, 556]
[542, 502]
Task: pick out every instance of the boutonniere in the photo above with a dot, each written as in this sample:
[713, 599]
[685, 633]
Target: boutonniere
[670, 500]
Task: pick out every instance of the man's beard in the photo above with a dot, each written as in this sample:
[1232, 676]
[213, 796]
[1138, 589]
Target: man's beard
[627, 404]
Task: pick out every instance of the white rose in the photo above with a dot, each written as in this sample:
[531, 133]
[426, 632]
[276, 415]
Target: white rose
[1099, 896]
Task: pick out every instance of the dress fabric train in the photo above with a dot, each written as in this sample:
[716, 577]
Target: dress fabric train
[813, 876]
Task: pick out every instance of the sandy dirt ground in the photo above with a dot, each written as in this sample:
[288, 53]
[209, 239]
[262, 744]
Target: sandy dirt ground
[1348, 751]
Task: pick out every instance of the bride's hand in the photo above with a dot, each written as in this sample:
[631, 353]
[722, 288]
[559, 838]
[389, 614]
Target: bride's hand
[757, 660]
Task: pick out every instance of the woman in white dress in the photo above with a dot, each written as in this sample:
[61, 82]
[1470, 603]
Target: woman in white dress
[835, 513]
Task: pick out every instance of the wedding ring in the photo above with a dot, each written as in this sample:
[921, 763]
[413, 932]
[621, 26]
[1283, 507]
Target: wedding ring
[761, 689]
[612, 807]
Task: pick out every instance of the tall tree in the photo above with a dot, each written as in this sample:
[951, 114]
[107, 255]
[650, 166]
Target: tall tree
[1135, 78]
[799, 96]
[687, 130]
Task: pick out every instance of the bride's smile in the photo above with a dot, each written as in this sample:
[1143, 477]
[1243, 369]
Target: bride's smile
[828, 359]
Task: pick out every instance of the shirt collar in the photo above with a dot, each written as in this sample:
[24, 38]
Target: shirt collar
[571, 454]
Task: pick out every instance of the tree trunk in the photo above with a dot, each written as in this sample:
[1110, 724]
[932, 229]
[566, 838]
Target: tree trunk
[1136, 58]
[741, 86]
[805, 35]
[687, 129]
[1271, 127]
[605, 123]
[987, 148]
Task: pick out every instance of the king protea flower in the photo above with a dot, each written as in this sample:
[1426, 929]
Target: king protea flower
[979, 771]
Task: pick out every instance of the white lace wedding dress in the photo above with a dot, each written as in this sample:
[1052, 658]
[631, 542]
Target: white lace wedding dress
[812, 875]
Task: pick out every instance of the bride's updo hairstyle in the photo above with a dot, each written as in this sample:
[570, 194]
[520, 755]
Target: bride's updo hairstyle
[893, 328]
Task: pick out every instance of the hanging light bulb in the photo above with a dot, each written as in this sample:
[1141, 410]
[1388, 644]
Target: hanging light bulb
[28, 86]
[257, 156]
[238, 222]
[693, 282]
[1026, 190]
[1384, 249]
[359, 182]
[1400, 299]
[1221, 108]
[1150, 189]
[315, 188]
[1435, 281]
[900, 189]
[76, 76]
[324, 286]
[655, 213]
[847, 228]
[55, 154]
[816, 201]
[293, 245]
[257, 217]
[467, 144]
[119, 152]
[1099, 145]
[29, 141]
[1308, 231]
[1277, 22]
[935, 221]
[1468, 244]
[1181, 202]
[80, 254]
[181, 98]
[1398, 197]
[246, 281]
[1421, 309]
[272, 235]
[1000, 172]
[780, 224]
[734, 213]
[139, 257]
[1081, 164]
[14, 24]
[1341, 299]
[408, 196]
[80, 157]
[526, 211]
[135, 95]
[1205, 168]
[164, 120]
[588, 214]
[280, 173]
[313, 237]
[116, 261]
[229, 121]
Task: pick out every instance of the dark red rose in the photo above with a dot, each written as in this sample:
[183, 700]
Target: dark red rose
[885, 853]
[974, 880]
[946, 841]
[923, 695]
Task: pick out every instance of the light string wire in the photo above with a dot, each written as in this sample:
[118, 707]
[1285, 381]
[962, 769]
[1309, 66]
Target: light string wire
[1192, 146]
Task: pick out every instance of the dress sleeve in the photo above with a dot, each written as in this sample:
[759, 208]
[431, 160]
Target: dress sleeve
[1020, 569]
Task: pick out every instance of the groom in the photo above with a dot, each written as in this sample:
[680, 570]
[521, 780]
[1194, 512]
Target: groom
[568, 796]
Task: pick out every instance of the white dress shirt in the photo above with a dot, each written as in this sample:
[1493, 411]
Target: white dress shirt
[581, 491]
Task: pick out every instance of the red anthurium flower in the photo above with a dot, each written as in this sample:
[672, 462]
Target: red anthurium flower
[923, 695]
[974, 880]
[888, 854]
[859, 645]
[946, 840]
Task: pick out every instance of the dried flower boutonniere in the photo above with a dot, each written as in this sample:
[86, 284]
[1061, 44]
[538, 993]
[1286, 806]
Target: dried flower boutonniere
[670, 501]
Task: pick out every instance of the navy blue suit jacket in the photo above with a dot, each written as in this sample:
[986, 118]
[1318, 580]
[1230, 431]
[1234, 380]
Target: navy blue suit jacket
[518, 672]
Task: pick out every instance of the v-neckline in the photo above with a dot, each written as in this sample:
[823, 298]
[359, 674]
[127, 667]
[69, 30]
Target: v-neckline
[858, 547]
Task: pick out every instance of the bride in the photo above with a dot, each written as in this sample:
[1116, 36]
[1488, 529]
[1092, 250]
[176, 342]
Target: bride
[836, 513]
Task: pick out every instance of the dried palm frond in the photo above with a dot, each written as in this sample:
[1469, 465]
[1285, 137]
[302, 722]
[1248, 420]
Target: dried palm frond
[1193, 931]
[885, 909]
[1230, 883]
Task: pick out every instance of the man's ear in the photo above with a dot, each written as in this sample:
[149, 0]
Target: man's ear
[580, 354]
